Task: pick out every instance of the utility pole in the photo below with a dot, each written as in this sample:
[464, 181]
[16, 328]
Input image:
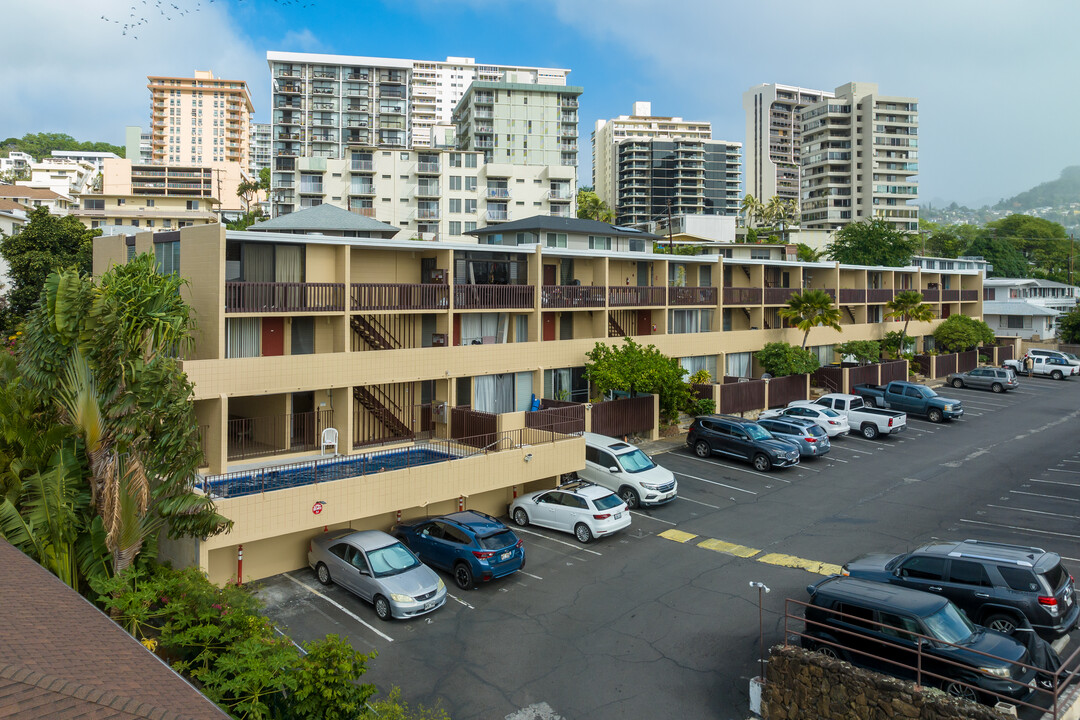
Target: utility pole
[670, 240]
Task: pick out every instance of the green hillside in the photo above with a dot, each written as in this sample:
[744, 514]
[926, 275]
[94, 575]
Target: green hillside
[1056, 193]
[41, 145]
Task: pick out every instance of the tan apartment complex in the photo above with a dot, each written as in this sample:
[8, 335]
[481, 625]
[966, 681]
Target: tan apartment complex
[859, 159]
[199, 120]
[397, 345]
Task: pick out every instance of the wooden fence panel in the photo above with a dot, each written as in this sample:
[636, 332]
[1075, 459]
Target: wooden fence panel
[830, 377]
[967, 361]
[922, 364]
[702, 391]
[945, 365]
[894, 371]
[863, 375]
[740, 397]
[624, 416]
[1005, 352]
[783, 390]
[565, 418]
[472, 427]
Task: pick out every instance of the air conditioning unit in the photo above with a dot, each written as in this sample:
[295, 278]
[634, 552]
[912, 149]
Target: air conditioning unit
[438, 340]
[438, 412]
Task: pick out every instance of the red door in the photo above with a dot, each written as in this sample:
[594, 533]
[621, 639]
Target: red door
[550, 275]
[644, 322]
[457, 330]
[273, 336]
[549, 326]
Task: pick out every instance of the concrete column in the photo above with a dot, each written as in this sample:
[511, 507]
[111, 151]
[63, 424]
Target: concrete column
[654, 433]
[342, 401]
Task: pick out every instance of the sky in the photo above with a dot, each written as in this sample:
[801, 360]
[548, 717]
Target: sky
[997, 103]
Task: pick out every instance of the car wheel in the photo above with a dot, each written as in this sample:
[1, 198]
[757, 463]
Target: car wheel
[828, 651]
[582, 533]
[382, 608]
[1057, 375]
[956, 689]
[323, 573]
[934, 415]
[630, 497]
[702, 449]
[521, 517]
[997, 387]
[1001, 623]
[869, 431]
[762, 463]
[463, 576]
[958, 383]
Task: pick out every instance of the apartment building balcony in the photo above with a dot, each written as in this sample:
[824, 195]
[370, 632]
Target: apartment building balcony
[484, 98]
[398, 296]
[568, 147]
[484, 144]
[362, 189]
[852, 296]
[324, 74]
[494, 297]
[568, 132]
[879, 295]
[500, 193]
[324, 121]
[742, 296]
[497, 215]
[559, 195]
[290, 88]
[365, 211]
[568, 118]
[560, 211]
[358, 76]
[289, 73]
[636, 296]
[428, 167]
[572, 296]
[427, 213]
[484, 114]
[322, 91]
[283, 297]
[692, 296]
[568, 103]
[392, 77]
[483, 128]
[427, 191]
[355, 92]
[364, 166]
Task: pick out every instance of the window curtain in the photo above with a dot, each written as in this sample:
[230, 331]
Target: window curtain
[504, 393]
[472, 329]
[288, 268]
[485, 393]
[521, 333]
[824, 353]
[258, 262]
[699, 362]
[241, 337]
[737, 364]
[523, 391]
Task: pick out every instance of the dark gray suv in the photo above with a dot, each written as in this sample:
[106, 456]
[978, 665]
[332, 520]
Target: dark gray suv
[997, 585]
[740, 438]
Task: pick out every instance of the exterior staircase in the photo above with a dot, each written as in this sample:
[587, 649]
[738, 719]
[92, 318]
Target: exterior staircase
[379, 405]
[373, 333]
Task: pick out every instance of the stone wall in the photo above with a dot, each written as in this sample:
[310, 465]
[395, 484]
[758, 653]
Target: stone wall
[803, 685]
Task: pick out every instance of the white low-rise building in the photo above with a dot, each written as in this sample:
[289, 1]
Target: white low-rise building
[1027, 307]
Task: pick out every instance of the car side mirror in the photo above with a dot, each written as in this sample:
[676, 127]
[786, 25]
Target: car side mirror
[613, 469]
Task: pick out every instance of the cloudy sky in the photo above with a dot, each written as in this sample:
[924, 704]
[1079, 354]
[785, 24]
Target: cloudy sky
[995, 80]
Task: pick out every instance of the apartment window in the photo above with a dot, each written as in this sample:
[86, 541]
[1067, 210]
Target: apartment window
[455, 205]
[242, 337]
[192, 204]
[470, 161]
[455, 227]
[455, 182]
[597, 242]
[556, 240]
[470, 184]
[130, 248]
[470, 205]
[150, 202]
[759, 253]
[96, 204]
[303, 336]
[470, 225]
[168, 257]
[455, 160]
[119, 201]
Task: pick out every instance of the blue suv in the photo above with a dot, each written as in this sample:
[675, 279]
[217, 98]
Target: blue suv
[470, 545]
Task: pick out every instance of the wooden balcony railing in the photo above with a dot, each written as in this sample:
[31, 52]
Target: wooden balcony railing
[778, 296]
[571, 296]
[634, 296]
[494, 297]
[969, 295]
[691, 296]
[398, 296]
[852, 296]
[931, 295]
[742, 296]
[252, 297]
[950, 296]
[879, 295]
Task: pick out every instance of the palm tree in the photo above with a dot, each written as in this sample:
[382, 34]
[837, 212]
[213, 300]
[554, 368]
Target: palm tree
[909, 306]
[810, 309]
[752, 208]
[775, 210]
[591, 207]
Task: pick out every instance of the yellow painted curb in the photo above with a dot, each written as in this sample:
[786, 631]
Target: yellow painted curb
[678, 535]
[814, 566]
[729, 548]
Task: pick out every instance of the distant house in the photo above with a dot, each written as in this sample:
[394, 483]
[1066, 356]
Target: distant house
[1026, 307]
[37, 197]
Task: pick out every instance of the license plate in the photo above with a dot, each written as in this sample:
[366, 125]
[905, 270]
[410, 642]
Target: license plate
[618, 516]
[428, 606]
[505, 556]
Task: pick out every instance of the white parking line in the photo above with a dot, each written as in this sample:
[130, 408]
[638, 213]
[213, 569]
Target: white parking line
[983, 402]
[650, 517]
[535, 577]
[541, 535]
[1036, 512]
[340, 607]
[1071, 461]
[683, 497]
[739, 469]
[713, 482]
[861, 452]
[279, 632]
[461, 601]
[836, 459]
[1074, 472]
[803, 467]
[910, 427]
[1017, 527]
[1054, 482]
[1051, 497]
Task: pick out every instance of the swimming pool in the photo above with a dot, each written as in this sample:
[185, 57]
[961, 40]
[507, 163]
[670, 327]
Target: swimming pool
[278, 478]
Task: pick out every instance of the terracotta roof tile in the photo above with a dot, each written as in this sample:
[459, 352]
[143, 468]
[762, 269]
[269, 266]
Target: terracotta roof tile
[10, 191]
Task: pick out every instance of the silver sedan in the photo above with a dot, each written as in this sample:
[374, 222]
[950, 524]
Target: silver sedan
[379, 569]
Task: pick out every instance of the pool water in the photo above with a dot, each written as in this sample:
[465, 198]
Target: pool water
[268, 479]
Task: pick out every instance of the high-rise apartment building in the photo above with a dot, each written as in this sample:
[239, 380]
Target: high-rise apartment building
[201, 119]
[773, 138]
[646, 165]
[859, 157]
[519, 123]
[261, 147]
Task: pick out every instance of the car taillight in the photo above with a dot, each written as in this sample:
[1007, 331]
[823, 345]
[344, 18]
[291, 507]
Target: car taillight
[483, 554]
[833, 422]
[520, 543]
[602, 516]
[890, 422]
[1048, 600]
[811, 439]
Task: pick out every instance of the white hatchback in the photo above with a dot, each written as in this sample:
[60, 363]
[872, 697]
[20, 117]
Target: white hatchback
[582, 508]
[832, 422]
[626, 470]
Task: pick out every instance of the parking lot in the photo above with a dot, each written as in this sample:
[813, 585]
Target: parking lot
[659, 620]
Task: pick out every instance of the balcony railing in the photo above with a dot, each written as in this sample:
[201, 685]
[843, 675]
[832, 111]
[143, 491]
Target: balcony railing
[778, 296]
[851, 296]
[242, 297]
[427, 167]
[572, 296]
[691, 296]
[969, 295]
[742, 296]
[950, 296]
[494, 297]
[635, 296]
[931, 295]
[497, 192]
[276, 434]
[398, 296]
[879, 295]
[497, 215]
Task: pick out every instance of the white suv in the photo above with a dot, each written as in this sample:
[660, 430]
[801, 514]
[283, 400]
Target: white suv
[626, 470]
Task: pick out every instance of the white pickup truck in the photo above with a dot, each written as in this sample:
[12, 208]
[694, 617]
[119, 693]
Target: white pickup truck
[1054, 367]
[864, 419]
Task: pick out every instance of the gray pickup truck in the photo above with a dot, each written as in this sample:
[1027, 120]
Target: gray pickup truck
[911, 398]
[864, 419]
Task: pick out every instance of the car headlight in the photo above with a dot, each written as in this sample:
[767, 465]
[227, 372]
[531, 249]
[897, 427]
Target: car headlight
[779, 453]
[441, 584]
[1001, 672]
[948, 408]
[396, 597]
[650, 486]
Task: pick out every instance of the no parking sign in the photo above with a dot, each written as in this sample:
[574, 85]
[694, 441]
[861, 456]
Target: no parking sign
[317, 507]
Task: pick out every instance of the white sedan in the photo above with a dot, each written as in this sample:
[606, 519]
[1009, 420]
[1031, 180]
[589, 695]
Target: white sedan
[832, 422]
[581, 508]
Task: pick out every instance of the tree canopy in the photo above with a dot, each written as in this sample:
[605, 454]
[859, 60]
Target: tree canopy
[1042, 242]
[864, 351]
[908, 306]
[591, 207]
[810, 309]
[634, 369]
[874, 242]
[781, 358]
[41, 145]
[1002, 254]
[959, 332]
[1068, 327]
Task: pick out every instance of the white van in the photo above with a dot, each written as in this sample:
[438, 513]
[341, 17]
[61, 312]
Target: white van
[626, 470]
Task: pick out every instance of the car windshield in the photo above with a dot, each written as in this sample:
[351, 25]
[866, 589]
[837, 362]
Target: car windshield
[927, 392]
[829, 412]
[949, 625]
[498, 540]
[756, 432]
[607, 502]
[816, 430]
[635, 461]
[1070, 356]
[1056, 576]
[391, 560]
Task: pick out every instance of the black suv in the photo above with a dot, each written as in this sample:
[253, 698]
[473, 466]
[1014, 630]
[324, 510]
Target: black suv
[878, 630]
[998, 585]
[740, 438]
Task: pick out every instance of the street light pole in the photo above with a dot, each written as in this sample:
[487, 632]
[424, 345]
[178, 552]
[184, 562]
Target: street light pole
[761, 589]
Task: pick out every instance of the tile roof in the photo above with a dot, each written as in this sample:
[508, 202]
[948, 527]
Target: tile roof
[562, 224]
[324, 218]
[13, 191]
[1017, 307]
[6, 204]
[60, 657]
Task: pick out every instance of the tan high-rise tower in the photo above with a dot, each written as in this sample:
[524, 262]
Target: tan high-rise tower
[201, 119]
